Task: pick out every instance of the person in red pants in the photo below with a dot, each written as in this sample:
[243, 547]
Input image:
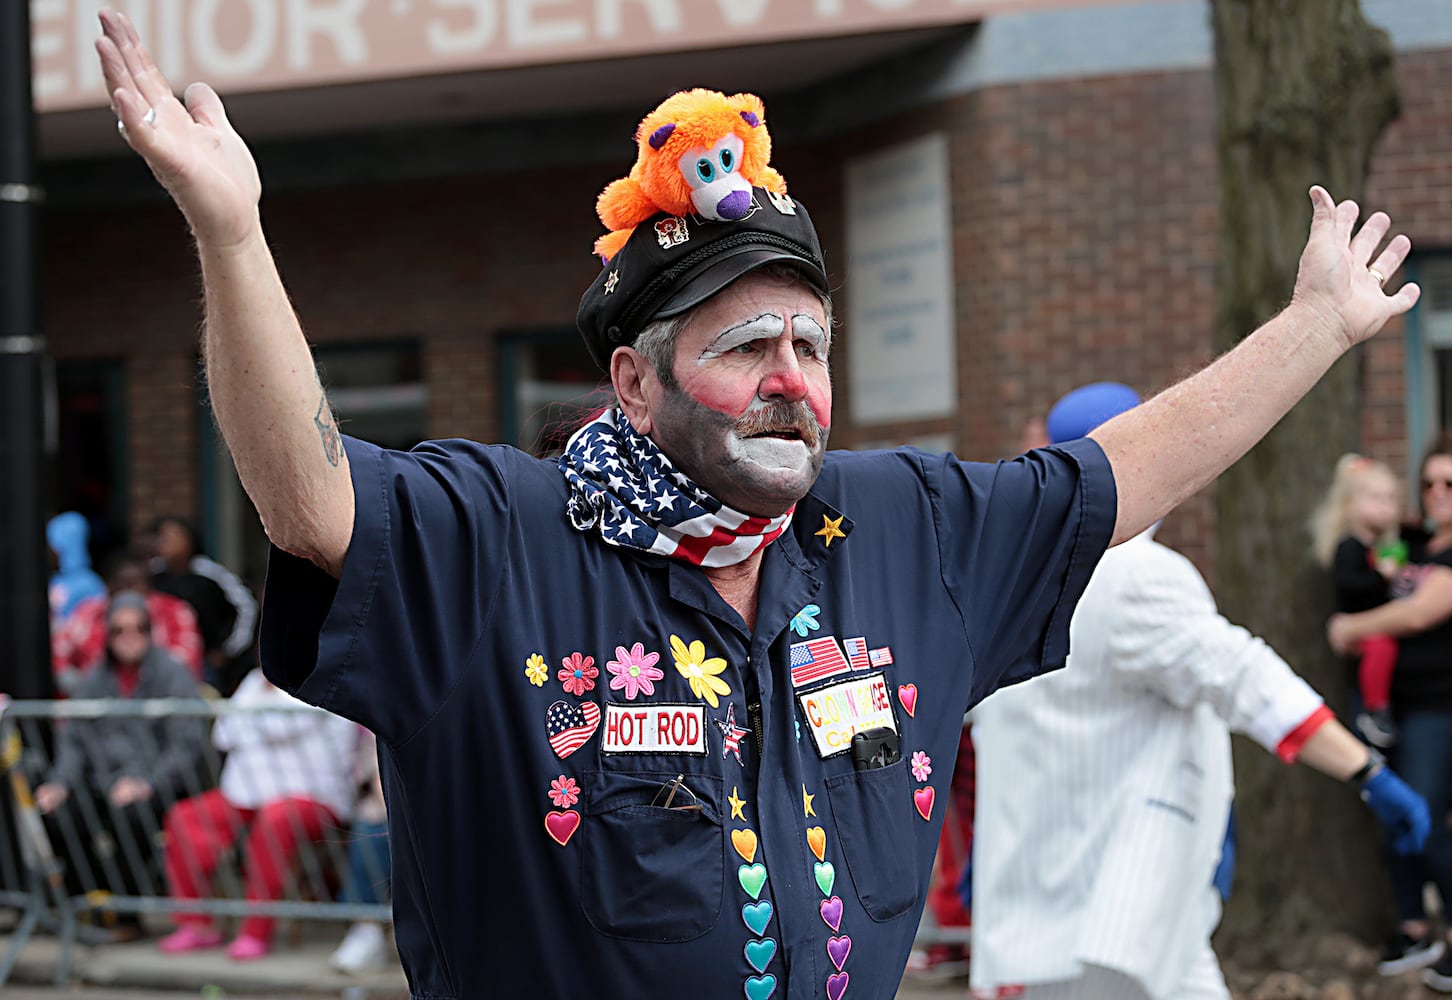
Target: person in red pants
[286, 780]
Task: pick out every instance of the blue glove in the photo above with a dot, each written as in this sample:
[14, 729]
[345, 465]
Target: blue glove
[1401, 810]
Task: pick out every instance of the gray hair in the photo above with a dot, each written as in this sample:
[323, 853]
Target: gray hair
[657, 341]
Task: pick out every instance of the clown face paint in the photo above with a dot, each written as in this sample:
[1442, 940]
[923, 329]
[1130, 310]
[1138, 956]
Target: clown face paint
[749, 415]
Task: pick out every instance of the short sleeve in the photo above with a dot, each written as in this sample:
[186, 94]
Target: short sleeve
[1019, 542]
[385, 644]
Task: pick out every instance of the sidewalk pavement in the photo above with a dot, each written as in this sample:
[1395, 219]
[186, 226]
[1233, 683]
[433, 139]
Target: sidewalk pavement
[297, 967]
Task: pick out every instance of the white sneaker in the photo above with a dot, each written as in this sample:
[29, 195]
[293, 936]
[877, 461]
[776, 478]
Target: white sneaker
[364, 947]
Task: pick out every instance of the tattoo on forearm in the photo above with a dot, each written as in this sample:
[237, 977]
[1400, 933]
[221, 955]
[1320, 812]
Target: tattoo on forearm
[328, 428]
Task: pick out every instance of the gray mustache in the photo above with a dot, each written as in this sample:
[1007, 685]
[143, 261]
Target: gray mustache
[779, 418]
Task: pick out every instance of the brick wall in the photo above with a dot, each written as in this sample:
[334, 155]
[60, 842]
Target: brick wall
[1084, 227]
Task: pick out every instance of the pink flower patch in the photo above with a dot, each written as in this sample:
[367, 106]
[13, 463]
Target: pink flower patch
[922, 765]
[634, 672]
[564, 792]
[578, 673]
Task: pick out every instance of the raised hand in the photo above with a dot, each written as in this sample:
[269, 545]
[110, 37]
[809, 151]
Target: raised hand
[1341, 275]
[191, 148]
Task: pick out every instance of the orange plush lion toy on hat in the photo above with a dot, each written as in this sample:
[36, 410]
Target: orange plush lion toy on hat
[700, 152]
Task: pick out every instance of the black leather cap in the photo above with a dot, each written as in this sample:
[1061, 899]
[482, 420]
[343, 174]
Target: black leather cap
[671, 263]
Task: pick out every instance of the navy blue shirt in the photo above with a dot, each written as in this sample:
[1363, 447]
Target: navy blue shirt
[601, 783]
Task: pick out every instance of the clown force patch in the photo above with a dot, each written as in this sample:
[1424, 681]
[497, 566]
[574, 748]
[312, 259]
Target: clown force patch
[659, 728]
[835, 712]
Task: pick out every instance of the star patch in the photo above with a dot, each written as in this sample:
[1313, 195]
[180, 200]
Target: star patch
[731, 734]
[807, 809]
[831, 529]
[737, 805]
[611, 281]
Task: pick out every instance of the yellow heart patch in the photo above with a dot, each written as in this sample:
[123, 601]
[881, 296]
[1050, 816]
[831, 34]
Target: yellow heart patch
[745, 843]
[817, 841]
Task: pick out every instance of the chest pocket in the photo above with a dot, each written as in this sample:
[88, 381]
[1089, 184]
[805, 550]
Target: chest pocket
[651, 873]
[873, 811]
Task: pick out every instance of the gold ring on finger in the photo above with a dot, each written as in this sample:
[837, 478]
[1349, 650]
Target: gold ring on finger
[1380, 278]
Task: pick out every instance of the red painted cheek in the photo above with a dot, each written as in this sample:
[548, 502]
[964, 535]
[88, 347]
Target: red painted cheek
[820, 400]
[732, 400]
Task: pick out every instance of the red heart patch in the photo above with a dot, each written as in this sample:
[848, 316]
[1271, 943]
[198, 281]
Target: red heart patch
[923, 799]
[908, 695]
[561, 826]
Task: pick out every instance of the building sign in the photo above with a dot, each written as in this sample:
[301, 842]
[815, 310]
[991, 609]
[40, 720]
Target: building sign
[900, 319]
[243, 45]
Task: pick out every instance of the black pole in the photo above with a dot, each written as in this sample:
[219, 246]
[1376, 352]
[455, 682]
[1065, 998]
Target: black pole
[24, 617]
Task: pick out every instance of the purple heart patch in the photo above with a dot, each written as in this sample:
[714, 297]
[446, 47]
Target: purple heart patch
[838, 948]
[831, 911]
[836, 986]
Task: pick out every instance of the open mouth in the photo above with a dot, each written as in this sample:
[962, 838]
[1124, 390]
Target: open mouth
[788, 435]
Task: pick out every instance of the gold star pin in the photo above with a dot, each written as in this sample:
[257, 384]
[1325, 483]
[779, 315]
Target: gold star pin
[807, 809]
[736, 805]
[831, 529]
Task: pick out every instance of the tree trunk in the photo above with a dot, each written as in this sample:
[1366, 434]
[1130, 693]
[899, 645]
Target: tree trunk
[1304, 88]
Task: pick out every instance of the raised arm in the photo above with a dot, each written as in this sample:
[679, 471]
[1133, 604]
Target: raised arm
[265, 392]
[1176, 443]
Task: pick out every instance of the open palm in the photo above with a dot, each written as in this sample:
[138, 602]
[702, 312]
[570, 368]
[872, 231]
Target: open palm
[1342, 274]
[191, 148]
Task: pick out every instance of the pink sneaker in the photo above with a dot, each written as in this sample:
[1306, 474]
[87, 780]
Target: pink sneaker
[246, 948]
[190, 937]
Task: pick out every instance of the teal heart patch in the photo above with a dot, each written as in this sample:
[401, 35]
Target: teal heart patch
[752, 877]
[760, 987]
[760, 953]
[756, 916]
[826, 876]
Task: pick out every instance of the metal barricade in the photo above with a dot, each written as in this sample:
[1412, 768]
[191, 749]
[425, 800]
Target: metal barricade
[92, 859]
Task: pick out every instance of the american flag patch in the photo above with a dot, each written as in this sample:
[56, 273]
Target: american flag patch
[571, 726]
[856, 652]
[880, 657]
[815, 659]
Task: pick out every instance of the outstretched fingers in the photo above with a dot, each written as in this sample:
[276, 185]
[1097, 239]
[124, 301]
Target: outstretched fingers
[1369, 237]
[141, 73]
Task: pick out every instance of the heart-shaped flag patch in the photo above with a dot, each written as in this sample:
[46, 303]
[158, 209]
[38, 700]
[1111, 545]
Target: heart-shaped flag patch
[561, 826]
[838, 948]
[760, 953]
[908, 695]
[923, 799]
[756, 916]
[817, 841]
[570, 726]
[826, 876]
[752, 878]
[745, 843]
[831, 911]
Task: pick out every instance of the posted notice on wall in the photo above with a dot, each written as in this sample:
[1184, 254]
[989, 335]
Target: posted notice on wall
[900, 318]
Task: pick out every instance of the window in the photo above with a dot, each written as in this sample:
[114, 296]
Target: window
[548, 385]
[1429, 354]
[378, 393]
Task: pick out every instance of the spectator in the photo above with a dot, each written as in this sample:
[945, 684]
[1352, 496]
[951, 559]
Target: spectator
[226, 609]
[1355, 533]
[287, 778]
[79, 643]
[365, 946]
[73, 580]
[1421, 702]
[112, 778]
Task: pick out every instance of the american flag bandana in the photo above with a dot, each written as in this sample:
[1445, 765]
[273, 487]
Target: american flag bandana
[624, 487]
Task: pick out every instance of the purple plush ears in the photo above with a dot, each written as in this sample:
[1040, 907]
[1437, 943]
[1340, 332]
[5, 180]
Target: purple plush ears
[659, 136]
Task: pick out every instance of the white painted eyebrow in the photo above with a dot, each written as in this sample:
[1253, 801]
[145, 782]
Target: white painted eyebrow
[767, 326]
[805, 325]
